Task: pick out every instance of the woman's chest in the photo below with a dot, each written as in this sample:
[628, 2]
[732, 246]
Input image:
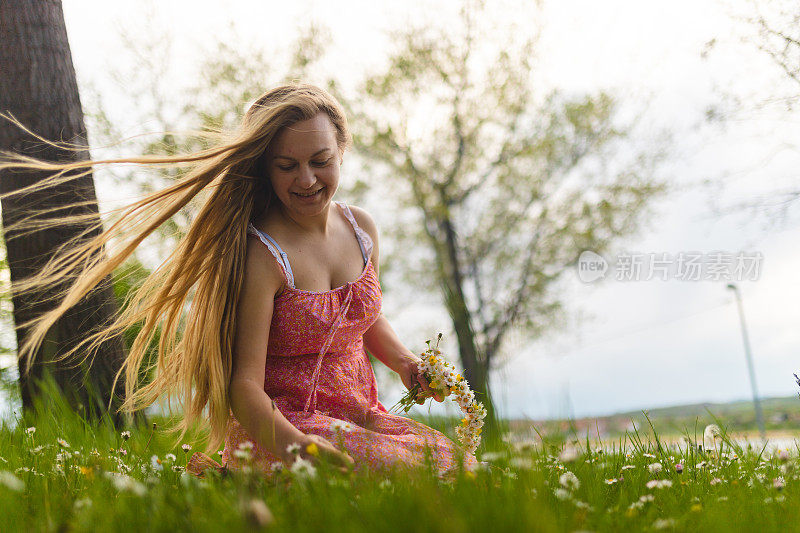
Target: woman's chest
[323, 265]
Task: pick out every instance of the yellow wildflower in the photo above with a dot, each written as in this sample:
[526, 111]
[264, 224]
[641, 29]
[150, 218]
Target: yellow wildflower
[312, 449]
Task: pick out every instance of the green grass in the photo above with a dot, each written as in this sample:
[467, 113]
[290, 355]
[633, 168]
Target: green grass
[527, 487]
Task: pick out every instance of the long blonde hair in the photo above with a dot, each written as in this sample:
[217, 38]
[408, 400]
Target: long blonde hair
[206, 267]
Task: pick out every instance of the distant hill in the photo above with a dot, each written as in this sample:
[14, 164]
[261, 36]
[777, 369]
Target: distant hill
[780, 414]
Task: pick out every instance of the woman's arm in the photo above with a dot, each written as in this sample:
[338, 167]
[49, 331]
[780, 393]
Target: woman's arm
[380, 339]
[250, 404]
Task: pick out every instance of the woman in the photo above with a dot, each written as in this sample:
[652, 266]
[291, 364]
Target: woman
[285, 298]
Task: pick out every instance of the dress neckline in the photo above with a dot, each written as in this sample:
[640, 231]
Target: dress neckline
[288, 288]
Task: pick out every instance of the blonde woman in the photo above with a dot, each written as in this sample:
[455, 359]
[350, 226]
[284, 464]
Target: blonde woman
[284, 300]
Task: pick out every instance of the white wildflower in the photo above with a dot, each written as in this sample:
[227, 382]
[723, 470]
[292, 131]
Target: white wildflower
[82, 503]
[125, 435]
[11, 482]
[155, 463]
[293, 448]
[341, 425]
[664, 523]
[711, 435]
[303, 468]
[124, 483]
[655, 468]
[658, 483]
[570, 481]
[562, 494]
[258, 514]
[170, 457]
[186, 447]
[243, 455]
[492, 456]
[63, 443]
[30, 431]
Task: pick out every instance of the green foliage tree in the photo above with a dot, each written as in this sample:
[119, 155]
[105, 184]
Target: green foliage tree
[507, 186]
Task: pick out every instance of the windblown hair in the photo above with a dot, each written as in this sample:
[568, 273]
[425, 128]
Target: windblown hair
[205, 271]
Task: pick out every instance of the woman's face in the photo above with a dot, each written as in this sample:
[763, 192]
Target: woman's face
[305, 159]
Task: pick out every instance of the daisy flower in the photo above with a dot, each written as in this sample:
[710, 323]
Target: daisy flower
[293, 448]
[303, 468]
[155, 463]
[341, 425]
[568, 480]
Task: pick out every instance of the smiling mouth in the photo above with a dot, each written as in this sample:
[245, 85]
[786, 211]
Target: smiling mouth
[309, 195]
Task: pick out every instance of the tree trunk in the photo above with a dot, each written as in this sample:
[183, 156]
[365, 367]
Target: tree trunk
[475, 366]
[38, 86]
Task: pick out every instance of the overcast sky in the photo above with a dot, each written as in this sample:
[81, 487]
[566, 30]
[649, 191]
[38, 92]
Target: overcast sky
[641, 343]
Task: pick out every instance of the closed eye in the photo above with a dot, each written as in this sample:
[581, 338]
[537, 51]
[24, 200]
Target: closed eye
[314, 163]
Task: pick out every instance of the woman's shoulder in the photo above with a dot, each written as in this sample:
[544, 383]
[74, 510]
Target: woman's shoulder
[261, 269]
[365, 221]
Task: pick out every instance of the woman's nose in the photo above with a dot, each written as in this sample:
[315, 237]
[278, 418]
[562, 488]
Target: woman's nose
[306, 178]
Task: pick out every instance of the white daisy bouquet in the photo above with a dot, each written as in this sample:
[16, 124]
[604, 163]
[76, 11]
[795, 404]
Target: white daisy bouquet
[445, 380]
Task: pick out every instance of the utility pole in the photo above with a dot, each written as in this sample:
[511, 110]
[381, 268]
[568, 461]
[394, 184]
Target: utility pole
[749, 357]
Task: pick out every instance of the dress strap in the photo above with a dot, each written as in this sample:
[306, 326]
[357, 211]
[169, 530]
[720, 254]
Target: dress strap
[364, 240]
[311, 402]
[276, 251]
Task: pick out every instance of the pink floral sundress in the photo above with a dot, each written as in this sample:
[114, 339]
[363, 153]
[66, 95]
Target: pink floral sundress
[318, 372]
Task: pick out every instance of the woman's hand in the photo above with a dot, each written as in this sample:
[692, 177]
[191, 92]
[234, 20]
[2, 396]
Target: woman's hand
[406, 368]
[324, 449]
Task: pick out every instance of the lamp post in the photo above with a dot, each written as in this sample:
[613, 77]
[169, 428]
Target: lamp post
[749, 357]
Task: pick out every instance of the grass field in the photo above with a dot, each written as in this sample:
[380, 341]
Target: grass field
[66, 475]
